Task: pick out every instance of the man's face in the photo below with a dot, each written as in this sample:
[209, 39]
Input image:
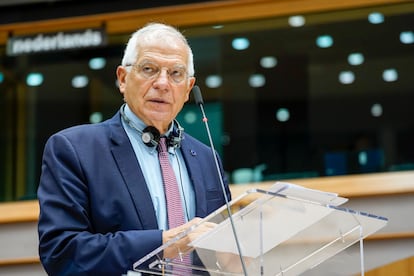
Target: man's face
[153, 86]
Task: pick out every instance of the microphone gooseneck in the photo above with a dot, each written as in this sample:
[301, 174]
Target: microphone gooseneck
[198, 97]
[199, 101]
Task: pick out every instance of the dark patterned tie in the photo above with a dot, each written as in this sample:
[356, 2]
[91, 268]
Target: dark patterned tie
[175, 210]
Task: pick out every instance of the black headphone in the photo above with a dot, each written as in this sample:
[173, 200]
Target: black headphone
[150, 135]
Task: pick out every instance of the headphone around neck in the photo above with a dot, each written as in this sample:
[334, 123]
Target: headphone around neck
[150, 135]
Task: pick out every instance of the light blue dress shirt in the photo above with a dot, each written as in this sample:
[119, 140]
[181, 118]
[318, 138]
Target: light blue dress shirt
[148, 160]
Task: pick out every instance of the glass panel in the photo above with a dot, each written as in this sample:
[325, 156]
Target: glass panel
[276, 234]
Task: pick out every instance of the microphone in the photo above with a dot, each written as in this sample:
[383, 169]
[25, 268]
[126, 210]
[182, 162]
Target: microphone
[199, 101]
[198, 97]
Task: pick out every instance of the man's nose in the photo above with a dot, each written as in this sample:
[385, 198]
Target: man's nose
[163, 74]
[163, 77]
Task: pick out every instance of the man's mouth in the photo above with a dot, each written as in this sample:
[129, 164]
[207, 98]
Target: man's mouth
[161, 101]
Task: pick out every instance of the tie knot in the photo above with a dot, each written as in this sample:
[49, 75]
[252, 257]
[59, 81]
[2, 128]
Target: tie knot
[162, 145]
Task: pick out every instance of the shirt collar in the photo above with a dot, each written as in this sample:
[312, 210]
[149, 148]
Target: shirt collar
[139, 124]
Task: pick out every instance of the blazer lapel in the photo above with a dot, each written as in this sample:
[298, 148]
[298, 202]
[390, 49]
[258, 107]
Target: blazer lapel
[194, 171]
[132, 175]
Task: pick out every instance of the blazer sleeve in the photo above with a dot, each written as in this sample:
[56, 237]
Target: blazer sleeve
[69, 241]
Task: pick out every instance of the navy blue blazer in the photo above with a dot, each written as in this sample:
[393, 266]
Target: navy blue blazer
[95, 204]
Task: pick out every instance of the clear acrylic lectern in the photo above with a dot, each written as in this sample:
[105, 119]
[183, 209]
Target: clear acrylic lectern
[286, 230]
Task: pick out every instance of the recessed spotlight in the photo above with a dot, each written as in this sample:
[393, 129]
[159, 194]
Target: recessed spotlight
[324, 41]
[80, 81]
[34, 79]
[376, 110]
[96, 117]
[375, 18]
[296, 21]
[346, 77]
[355, 59]
[213, 81]
[240, 43]
[407, 37]
[97, 63]
[257, 80]
[282, 114]
[268, 62]
[190, 117]
[390, 75]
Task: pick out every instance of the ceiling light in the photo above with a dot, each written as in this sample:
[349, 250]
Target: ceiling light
[214, 81]
[355, 59]
[324, 41]
[268, 62]
[390, 75]
[97, 63]
[34, 79]
[346, 77]
[240, 43]
[190, 117]
[296, 21]
[257, 80]
[282, 114]
[96, 117]
[375, 18]
[407, 37]
[376, 110]
[80, 81]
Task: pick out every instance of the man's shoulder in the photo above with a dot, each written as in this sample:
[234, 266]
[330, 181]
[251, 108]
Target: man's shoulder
[191, 141]
[89, 130]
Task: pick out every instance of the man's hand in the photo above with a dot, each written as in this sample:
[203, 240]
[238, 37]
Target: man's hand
[181, 246]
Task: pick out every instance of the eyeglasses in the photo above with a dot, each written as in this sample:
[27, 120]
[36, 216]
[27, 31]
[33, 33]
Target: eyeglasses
[150, 71]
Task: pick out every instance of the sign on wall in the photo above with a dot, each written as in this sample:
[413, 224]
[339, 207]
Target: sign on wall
[60, 41]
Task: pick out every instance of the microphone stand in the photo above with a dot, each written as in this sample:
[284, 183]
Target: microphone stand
[199, 102]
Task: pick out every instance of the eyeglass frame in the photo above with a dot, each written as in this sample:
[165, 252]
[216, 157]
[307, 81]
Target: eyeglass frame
[170, 71]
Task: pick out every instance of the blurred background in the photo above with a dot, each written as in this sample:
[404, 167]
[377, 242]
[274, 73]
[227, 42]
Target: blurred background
[307, 91]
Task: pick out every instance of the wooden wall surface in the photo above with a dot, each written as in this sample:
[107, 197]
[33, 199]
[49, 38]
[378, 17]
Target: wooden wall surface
[387, 194]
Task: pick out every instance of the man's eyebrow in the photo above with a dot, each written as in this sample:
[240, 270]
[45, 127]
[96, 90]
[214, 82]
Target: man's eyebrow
[176, 64]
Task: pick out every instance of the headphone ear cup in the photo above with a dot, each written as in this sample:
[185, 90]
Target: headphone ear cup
[147, 138]
[174, 141]
[150, 136]
[175, 137]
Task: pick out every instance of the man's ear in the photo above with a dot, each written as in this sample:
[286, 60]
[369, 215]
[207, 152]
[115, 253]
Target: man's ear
[191, 83]
[121, 74]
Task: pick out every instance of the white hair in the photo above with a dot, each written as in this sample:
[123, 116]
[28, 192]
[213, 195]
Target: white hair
[154, 31]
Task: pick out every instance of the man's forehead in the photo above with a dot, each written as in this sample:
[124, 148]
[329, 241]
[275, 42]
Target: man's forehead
[163, 53]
